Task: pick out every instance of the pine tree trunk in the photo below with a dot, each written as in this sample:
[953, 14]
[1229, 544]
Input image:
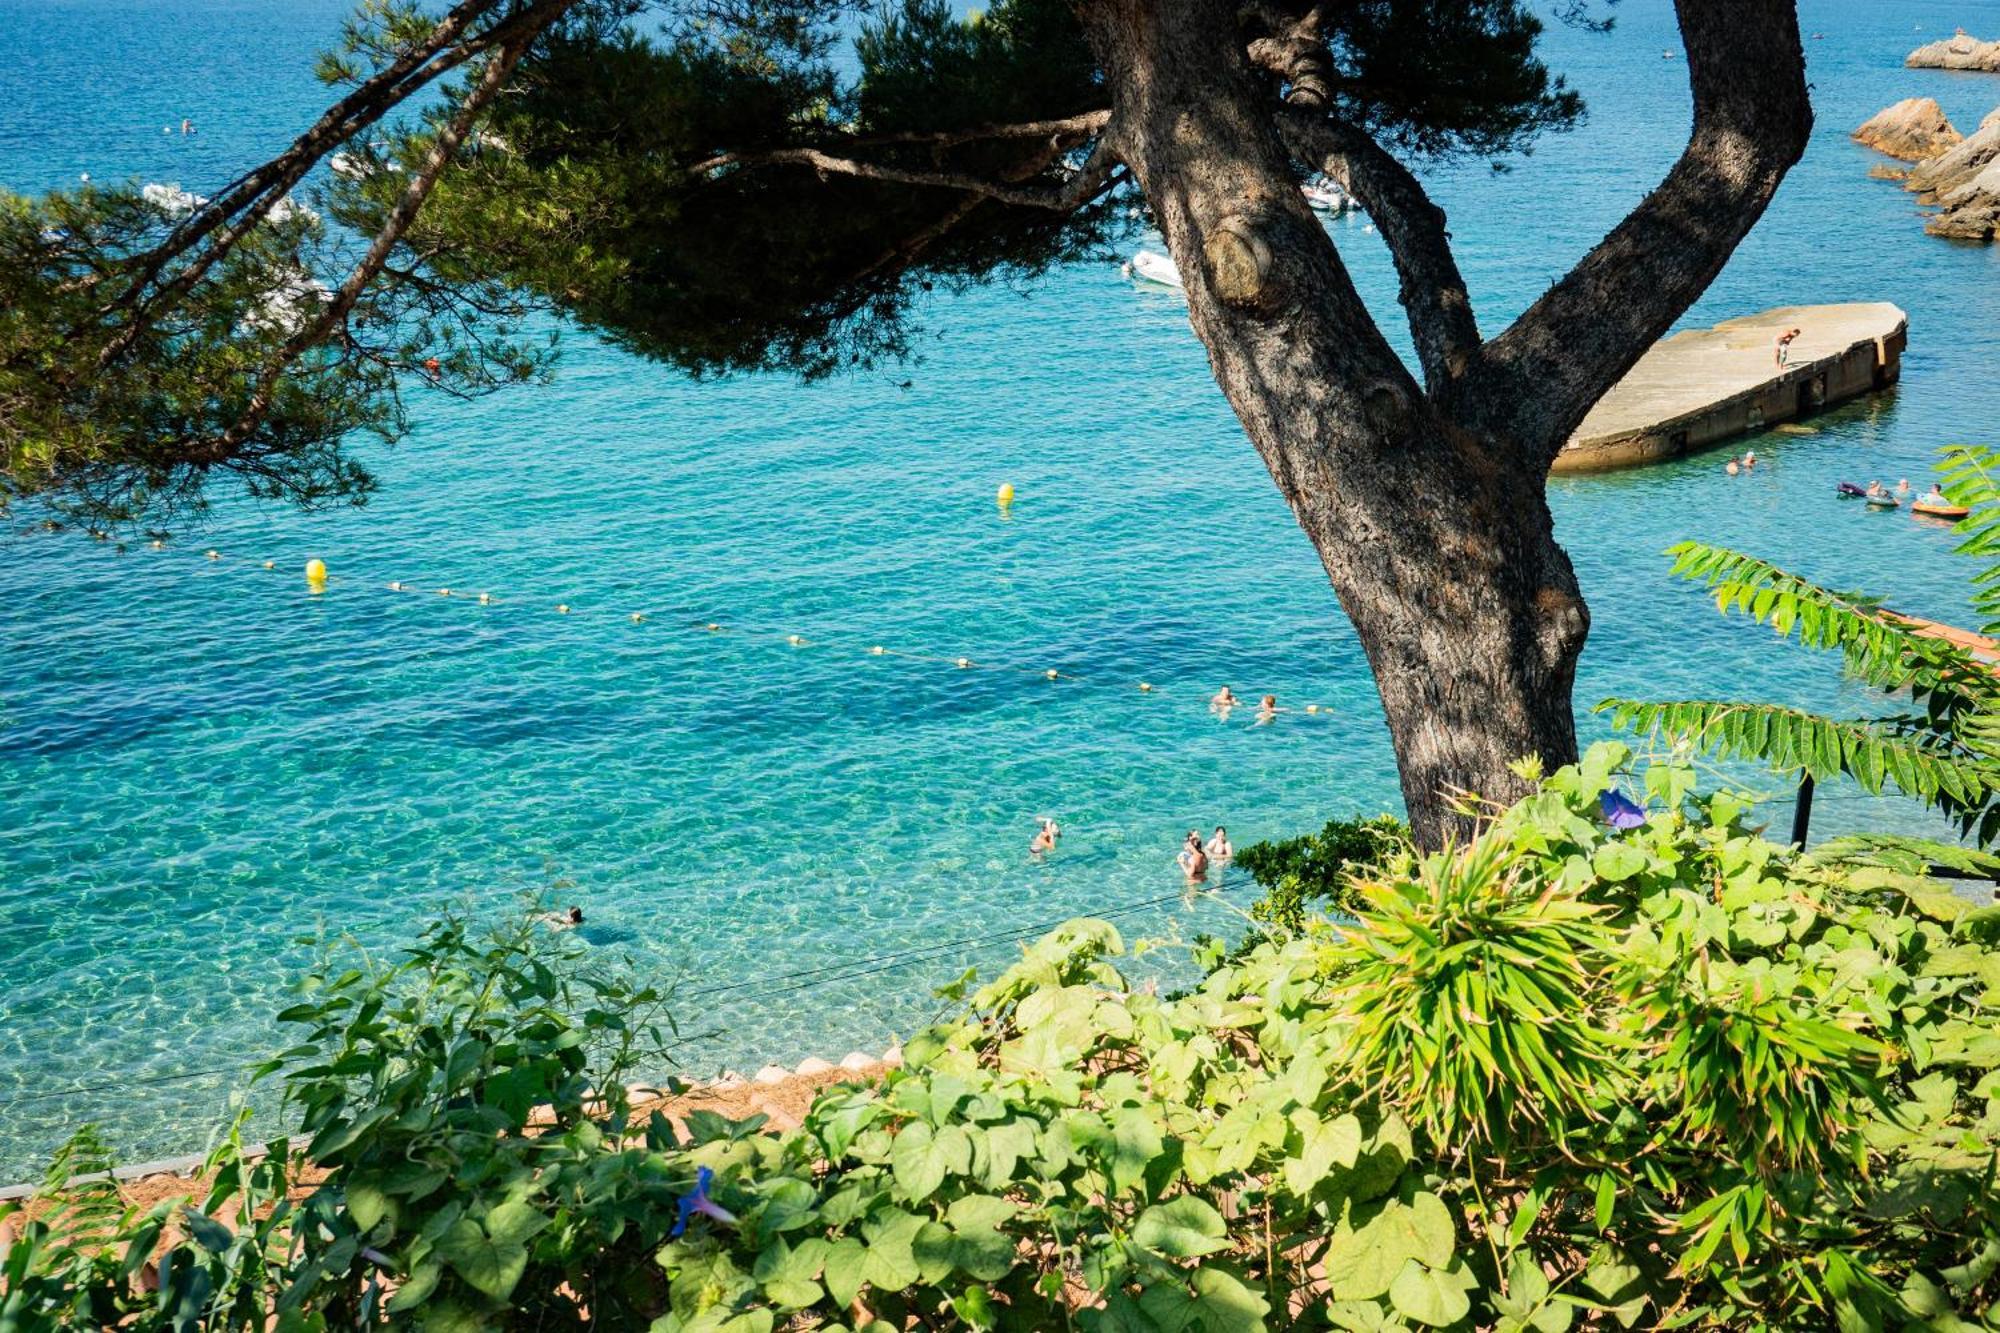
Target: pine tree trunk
[1437, 541]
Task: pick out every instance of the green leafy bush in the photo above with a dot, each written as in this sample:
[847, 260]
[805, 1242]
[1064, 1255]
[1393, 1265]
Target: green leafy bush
[1564, 1077]
[1314, 871]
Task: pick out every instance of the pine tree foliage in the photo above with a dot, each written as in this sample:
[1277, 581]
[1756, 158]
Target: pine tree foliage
[719, 185]
[1941, 748]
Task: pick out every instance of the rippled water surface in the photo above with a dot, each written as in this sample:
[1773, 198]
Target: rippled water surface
[201, 763]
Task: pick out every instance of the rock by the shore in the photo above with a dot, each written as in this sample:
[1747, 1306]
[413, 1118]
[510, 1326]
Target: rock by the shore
[1938, 176]
[1913, 129]
[1959, 52]
[1970, 212]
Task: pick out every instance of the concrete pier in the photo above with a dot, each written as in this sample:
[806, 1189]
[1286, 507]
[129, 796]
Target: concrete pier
[1703, 386]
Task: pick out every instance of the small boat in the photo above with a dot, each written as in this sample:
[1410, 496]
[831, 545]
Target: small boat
[1930, 510]
[1326, 197]
[1150, 267]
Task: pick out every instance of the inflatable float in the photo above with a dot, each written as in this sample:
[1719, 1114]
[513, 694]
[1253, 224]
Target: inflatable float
[1929, 510]
[1849, 491]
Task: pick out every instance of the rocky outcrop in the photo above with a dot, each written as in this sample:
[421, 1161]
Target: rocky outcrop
[1964, 182]
[1913, 129]
[1959, 52]
[1971, 211]
[1938, 176]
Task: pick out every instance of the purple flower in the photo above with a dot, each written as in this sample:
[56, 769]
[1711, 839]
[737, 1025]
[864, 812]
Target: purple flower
[696, 1200]
[1620, 811]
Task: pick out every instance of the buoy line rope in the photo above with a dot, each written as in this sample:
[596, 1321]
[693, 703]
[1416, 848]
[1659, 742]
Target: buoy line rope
[849, 970]
[318, 579]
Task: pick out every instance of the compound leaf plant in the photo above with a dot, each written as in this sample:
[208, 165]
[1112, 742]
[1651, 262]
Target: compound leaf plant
[1567, 1075]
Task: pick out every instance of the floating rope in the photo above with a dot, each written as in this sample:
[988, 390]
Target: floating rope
[318, 579]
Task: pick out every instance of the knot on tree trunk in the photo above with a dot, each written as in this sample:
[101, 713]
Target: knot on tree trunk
[1239, 261]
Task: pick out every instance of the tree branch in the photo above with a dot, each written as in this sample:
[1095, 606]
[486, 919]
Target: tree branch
[1069, 129]
[335, 311]
[252, 196]
[1432, 289]
[1752, 117]
[1072, 194]
[1293, 47]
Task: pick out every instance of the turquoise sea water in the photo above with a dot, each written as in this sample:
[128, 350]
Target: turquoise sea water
[199, 761]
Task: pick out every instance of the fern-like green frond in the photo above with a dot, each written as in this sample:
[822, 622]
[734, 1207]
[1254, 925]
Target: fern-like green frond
[1880, 648]
[1972, 478]
[1874, 752]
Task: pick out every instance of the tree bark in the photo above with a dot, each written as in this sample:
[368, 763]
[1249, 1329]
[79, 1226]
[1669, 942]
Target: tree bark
[1440, 551]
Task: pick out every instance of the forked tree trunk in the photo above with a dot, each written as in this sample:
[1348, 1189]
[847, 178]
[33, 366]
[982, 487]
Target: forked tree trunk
[1440, 551]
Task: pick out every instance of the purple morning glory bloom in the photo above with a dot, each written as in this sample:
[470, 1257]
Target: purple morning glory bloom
[696, 1200]
[1620, 811]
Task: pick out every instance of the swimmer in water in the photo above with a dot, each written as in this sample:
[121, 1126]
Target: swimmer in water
[1044, 839]
[1903, 486]
[1193, 860]
[1224, 699]
[568, 920]
[1267, 709]
[1218, 847]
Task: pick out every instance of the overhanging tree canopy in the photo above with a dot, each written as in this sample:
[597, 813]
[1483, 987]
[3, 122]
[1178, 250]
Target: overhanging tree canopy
[723, 184]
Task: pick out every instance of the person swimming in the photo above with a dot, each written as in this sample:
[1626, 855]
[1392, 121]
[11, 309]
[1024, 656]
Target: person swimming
[1193, 860]
[568, 920]
[1903, 486]
[1045, 838]
[1224, 699]
[1876, 488]
[1218, 847]
[1267, 709]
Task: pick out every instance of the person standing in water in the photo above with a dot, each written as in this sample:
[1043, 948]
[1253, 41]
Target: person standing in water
[1045, 838]
[1218, 847]
[1193, 860]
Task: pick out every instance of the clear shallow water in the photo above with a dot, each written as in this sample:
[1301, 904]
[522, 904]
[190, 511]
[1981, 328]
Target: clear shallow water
[199, 762]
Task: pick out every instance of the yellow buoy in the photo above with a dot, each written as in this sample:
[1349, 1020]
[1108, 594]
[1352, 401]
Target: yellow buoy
[272, 564]
[711, 627]
[1006, 494]
[159, 545]
[1312, 708]
[638, 618]
[395, 587]
[878, 650]
[562, 608]
[485, 597]
[444, 592]
[795, 640]
[1052, 673]
[965, 661]
[214, 555]
[315, 570]
[1145, 688]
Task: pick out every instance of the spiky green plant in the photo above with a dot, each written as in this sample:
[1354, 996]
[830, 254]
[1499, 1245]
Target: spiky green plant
[1470, 993]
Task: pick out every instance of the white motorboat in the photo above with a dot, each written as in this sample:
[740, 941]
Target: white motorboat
[1326, 197]
[1149, 267]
